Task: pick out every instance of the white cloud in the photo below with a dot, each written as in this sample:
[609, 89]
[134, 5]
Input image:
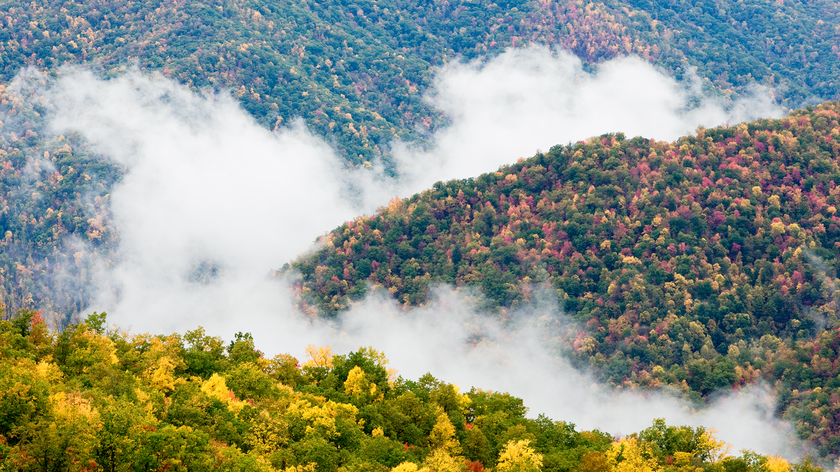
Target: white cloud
[205, 188]
[522, 358]
[533, 98]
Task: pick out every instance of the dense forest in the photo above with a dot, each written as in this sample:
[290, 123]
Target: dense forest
[705, 263]
[356, 70]
[93, 398]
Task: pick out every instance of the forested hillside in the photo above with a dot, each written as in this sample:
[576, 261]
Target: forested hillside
[54, 211]
[790, 46]
[91, 398]
[355, 71]
[706, 263]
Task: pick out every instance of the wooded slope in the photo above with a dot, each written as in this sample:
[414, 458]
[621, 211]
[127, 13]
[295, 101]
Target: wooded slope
[705, 263]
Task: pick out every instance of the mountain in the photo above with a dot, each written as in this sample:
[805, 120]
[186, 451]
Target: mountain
[95, 399]
[356, 72]
[373, 60]
[705, 263]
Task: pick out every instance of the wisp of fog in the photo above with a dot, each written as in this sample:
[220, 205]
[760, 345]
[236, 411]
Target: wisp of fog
[211, 203]
[535, 98]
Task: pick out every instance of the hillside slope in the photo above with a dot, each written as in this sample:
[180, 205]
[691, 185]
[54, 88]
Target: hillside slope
[356, 72]
[325, 60]
[704, 263]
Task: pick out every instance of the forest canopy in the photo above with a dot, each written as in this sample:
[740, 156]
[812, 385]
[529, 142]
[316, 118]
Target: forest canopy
[94, 398]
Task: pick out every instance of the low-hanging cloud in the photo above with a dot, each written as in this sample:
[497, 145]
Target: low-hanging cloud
[534, 98]
[211, 203]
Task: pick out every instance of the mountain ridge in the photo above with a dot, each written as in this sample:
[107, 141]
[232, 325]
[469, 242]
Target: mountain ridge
[704, 263]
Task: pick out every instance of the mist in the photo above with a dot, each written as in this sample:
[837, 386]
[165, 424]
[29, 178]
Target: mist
[534, 98]
[211, 203]
[454, 341]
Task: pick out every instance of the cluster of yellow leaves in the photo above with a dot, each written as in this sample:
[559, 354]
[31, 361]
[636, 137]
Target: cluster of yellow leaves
[445, 446]
[464, 400]
[320, 419]
[160, 359]
[161, 375]
[777, 464]
[442, 437]
[309, 467]
[519, 456]
[268, 433]
[358, 386]
[46, 369]
[319, 356]
[215, 387]
[409, 467]
[441, 461]
[632, 455]
[98, 349]
[713, 448]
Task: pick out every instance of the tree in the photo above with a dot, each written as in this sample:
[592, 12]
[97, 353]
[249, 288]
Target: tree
[518, 456]
[632, 455]
[67, 435]
[286, 369]
[442, 436]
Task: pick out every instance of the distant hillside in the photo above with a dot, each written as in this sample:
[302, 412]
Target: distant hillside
[54, 211]
[356, 73]
[705, 263]
[790, 46]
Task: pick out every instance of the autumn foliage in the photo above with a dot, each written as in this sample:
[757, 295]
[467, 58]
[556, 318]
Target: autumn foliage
[699, 263]
[92, 398]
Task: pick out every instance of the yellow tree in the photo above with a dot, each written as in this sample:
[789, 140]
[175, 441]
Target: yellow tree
[319, 364]
[632, 455]
[519, 456]
[442, 436]
[268, 433]
[711, 447]
[357, 383]
[362, 390]
[445, 446]
[441, 461]
[216, 388]
[319, 356]
[777, 464]
[161, 357]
